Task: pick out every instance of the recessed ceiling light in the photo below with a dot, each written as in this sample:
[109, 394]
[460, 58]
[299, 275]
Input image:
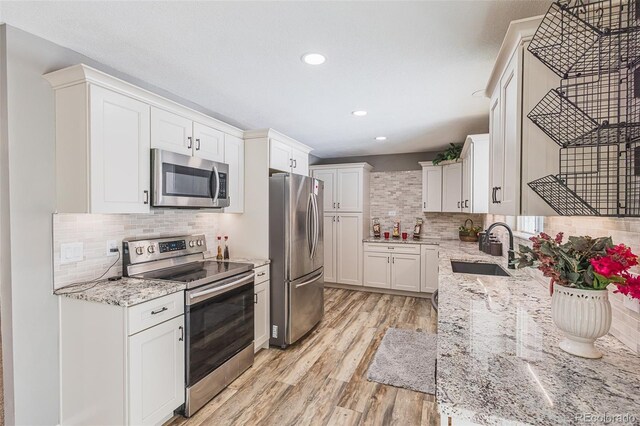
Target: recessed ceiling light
[381, 138]
[313, 58]
[359, 113]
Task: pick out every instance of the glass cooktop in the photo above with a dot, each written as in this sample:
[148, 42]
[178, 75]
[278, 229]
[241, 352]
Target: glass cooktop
[199, 273]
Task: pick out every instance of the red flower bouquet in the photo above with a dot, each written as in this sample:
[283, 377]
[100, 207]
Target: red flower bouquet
[582, 262]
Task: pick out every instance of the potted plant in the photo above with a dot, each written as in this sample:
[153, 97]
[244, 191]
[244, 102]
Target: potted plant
[580, 271]
[451, 154]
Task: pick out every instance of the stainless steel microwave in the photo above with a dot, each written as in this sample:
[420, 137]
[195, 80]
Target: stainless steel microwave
[188, 182]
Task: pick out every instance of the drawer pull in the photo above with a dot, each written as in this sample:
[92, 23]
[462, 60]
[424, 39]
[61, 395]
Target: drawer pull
[181, 328]
[164, 308]
[391, 248]
[261, 274]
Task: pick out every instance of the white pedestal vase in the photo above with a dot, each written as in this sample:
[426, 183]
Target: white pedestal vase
[583, 316]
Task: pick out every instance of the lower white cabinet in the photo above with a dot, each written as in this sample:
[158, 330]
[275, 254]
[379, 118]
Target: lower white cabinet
[430, 258]
[121, 365]
[377, 270]
[156, 372]
[261, 313]
[405, 272]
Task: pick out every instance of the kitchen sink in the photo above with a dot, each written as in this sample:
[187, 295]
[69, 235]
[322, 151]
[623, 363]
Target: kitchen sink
[478, 268]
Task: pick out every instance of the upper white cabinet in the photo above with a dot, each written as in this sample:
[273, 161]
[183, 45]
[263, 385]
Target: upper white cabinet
[105, 128]
[475, 174]
[431, 187]
[452, 188]
[346, 186]
[234, 157]
[519, 152]
[288, 156]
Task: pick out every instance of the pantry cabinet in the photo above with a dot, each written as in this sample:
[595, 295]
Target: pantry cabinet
[121, 365]
[404, 267]
[346, 186]
[329, 177]
[519, 151]
[348, 248]
[330, 256]
[105, 128]
[261, 312]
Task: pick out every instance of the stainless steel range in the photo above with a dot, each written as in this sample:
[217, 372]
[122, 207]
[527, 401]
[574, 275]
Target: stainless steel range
[219, 309]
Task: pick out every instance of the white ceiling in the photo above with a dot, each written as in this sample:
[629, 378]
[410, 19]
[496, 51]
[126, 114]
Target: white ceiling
[412, 65]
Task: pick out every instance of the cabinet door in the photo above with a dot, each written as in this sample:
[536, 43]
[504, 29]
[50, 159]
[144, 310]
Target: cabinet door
[405, 272]
[261, 315]
[349, 190]
[234, 157]
[429, 281]
[300, 162]
[156, 372]
[508, 193]
[329, 179]
[329, 229]
[496, 151]
[171, 132]
[377, 270]
[280, 156]
[452, 187]
[432, 189]
[208, 143]
[349, 249]
[467, 181]
[120, 154]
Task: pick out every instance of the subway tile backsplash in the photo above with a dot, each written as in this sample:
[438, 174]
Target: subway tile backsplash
[94, 230]
[398, 196]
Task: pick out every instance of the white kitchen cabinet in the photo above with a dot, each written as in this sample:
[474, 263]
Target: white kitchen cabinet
[105, 128]
[121, 365]
[329, 244]
[349, 189]
[405, 272]
[156, 368]
[519, 151]
[261, 319]
[234, 157]
[452, 187]
[328, 176]
[349, 248]
[208, 143]
[429, 276]
[287, 157]
[431, 187]
[300, 161]
[377, 270]
[171, 132]
[475, 174]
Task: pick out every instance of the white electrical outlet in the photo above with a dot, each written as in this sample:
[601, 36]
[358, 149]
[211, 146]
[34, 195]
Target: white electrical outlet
[71, 252]
[392, 213]
[112, 244]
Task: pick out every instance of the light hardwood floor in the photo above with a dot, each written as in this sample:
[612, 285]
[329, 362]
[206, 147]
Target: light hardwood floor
[322, 380]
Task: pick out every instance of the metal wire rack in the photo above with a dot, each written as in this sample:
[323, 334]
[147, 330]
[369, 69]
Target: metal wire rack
[594, 116]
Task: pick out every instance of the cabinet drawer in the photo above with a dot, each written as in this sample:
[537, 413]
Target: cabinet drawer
[148, 314]
[262, 274]
[392, 248]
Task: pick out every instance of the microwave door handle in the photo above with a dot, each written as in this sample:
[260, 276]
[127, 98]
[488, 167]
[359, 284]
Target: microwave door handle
[216, 181]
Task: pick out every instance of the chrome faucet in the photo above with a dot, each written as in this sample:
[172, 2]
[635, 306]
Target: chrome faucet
[511, 253]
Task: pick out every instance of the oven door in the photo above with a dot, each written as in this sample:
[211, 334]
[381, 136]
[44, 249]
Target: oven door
[219, 324]
[184, 181]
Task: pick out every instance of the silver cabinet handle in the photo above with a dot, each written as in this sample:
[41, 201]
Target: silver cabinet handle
[466, 204]
[295, 164]
[338, 205]
[198, 144]
[146, 196]
[424, 204]
[190, 143]
[164, 308]
[255, 298]
[387, 259]
[338, 218]
[391, 248]
[181, 328]
[334, 205]
[393, 260]
[498, 188]
[261, 274]
[290, 162]
[458, 204]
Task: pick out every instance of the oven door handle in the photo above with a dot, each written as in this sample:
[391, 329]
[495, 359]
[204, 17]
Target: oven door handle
[215, 291]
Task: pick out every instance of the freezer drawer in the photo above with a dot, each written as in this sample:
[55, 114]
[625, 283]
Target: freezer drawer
[306, 304]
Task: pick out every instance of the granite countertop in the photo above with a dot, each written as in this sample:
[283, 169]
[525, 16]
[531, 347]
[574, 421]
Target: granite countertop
[124, 292]
[498, 356]
[427, 241]
[256, 262]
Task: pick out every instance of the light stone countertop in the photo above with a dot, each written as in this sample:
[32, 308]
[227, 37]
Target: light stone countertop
[124, 292]
[256, 262]
[426, 241]
[498, 357]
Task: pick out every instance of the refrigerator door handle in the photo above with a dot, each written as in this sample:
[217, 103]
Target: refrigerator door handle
[316, 225]
[310, 224]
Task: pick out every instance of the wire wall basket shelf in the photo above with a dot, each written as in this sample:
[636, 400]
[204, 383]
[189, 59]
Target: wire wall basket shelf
[594, 116]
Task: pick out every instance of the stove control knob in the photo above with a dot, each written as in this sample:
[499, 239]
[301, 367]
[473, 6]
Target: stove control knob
[139, 251]
[192, 243]
[151, 249]
[199, 243]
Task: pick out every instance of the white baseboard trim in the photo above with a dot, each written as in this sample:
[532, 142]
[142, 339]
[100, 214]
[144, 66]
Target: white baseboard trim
[378, 290]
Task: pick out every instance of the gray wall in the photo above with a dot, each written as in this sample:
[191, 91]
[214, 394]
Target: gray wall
[27, 178]
[381, 163]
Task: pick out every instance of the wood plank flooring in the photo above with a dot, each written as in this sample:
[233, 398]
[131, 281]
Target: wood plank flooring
[322, 380]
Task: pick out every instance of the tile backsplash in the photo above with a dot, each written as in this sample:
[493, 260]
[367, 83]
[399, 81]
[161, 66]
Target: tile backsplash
[625, 319]
[94, 230]
[398, 196]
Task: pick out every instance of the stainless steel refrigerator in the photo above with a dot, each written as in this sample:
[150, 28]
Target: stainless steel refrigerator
[296, 250]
